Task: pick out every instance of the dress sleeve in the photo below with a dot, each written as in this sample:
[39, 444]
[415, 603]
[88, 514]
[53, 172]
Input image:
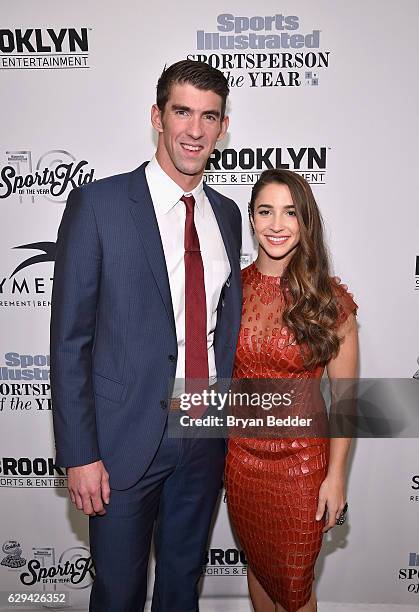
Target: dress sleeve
[345, 302]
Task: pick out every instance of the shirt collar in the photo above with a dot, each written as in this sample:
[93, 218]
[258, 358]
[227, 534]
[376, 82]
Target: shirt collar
[166, 193]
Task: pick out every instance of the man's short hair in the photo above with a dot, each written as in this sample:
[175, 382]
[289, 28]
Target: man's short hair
[199, 74]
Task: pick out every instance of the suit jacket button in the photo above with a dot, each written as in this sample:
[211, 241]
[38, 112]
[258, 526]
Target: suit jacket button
[163, 404]
[172, 358]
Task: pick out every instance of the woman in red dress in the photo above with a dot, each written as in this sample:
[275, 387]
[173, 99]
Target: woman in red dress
[297, 320]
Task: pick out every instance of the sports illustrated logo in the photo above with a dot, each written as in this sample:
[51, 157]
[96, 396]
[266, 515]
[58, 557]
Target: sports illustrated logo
[411, 573]
[24, 383]
[22, 282]
[415, 487]
[262, 51]
[225, 562]
[417, 273]
[73, 569]
[44, 49]
[27, 473]
[52, 176]
[244, 166]
[13, 552]
[25, 367]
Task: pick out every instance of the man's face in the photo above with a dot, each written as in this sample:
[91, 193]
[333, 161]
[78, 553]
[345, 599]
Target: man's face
[189, 128]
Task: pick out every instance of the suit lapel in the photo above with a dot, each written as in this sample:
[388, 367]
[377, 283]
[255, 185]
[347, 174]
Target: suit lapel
[142, 211]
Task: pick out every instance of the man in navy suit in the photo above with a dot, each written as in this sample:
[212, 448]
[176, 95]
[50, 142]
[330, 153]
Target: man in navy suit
[147, 277]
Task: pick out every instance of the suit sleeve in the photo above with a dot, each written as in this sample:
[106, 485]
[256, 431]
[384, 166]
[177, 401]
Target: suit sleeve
[73, 316]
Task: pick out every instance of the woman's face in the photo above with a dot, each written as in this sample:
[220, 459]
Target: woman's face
[275, 222]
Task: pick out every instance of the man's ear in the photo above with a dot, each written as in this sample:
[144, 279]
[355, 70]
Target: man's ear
[224, 127]
[156, 120]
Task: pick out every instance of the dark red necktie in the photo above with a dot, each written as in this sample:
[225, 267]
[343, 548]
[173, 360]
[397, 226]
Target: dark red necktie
[196, 352]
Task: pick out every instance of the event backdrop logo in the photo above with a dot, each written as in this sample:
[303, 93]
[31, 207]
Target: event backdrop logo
[262, 51]
[417, 273]
[245, 259]
[243, 166]
[72, 569]
[44, 48]
[24, 286]
[48, 254]
[411, 573]
[25, 383]
[51, 176]
[225, 562]
[415, 487]
[31, 473]
[13, 551]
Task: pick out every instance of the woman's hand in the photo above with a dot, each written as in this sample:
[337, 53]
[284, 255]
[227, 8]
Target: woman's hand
[332, 498]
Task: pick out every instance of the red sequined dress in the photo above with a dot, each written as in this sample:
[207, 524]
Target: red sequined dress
[273, 484]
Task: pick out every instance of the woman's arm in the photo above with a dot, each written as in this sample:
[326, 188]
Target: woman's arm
[332, 495]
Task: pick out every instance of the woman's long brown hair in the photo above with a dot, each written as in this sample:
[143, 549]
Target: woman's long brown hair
[311, 311]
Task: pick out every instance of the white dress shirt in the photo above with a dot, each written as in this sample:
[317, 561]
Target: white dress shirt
[171, 213]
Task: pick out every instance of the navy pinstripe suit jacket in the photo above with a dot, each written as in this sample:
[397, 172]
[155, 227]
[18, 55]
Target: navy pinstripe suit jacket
[113, 333]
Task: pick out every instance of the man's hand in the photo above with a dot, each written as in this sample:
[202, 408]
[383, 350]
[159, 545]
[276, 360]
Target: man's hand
[88, 486]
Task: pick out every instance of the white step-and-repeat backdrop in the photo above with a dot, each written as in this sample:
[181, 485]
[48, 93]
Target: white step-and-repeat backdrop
[326, 88]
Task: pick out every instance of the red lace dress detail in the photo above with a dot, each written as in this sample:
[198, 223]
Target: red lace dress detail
[273, 485]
